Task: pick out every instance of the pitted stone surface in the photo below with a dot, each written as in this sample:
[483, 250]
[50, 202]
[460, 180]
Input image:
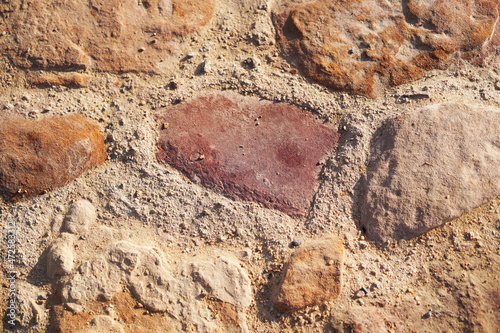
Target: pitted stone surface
[47, 154]
[312, 276]
[157, 287]
[363, 46]
[247, 149]
[430, 166]
[115, 36]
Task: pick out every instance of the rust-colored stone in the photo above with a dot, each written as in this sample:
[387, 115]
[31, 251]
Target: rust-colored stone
[74, 80]
[247, 149]
[115, 35]
[37, 156]
[312, 276]
[363, 46]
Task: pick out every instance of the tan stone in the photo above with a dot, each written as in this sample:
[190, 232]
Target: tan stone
[115, 36]
[312, 276]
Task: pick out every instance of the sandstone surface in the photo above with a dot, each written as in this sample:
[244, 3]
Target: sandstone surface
[39, 156]
[115, 36]
[312, 276]
[430, 166]
[247, 149]
[363, 47]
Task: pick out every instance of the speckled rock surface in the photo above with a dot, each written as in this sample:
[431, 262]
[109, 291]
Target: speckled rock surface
[365, 46]
[115, 36]
[430, 166]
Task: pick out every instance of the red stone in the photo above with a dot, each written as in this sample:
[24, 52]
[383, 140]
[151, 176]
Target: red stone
[37, 156]
[247, 149]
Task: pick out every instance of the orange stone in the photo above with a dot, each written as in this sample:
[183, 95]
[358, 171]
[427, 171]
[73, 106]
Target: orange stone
[38, 156]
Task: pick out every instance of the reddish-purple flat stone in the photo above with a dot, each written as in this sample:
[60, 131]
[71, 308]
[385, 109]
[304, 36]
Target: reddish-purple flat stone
[246, 148]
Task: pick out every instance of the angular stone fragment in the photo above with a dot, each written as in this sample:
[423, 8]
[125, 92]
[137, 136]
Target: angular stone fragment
[312, 276]
[428, 167]
[247, 149]
[47, 154]
[363, 46]
[79, 217]
[111, 35]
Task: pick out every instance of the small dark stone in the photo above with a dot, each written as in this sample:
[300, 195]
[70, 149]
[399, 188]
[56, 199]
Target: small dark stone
[296, 242]
[428, 314]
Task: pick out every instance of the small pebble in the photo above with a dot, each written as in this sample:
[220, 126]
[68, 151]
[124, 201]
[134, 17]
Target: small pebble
[296, 242]
[428, 314]
[360, 293]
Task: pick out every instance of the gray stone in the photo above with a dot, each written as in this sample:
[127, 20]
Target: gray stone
[428, 167]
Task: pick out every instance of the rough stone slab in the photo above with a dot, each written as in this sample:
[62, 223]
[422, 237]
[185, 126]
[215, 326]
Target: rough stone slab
[115, 35]
[363, 46]
[430, 166]
[246, 148]
[38, 156]
[312, 276]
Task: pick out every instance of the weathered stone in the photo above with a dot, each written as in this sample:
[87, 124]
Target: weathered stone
[39, 156]
[247, 149]
[312, 276]
[224, 280]
[116, 35]
[143, 271]
[428, 167]
[60, 258]
[364, 46]
[79, 217]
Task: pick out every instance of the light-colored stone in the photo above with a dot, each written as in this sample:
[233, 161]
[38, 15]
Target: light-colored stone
[60, 257]
[312, 276]
[225, 280]
[428, 167]
[81, 214]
